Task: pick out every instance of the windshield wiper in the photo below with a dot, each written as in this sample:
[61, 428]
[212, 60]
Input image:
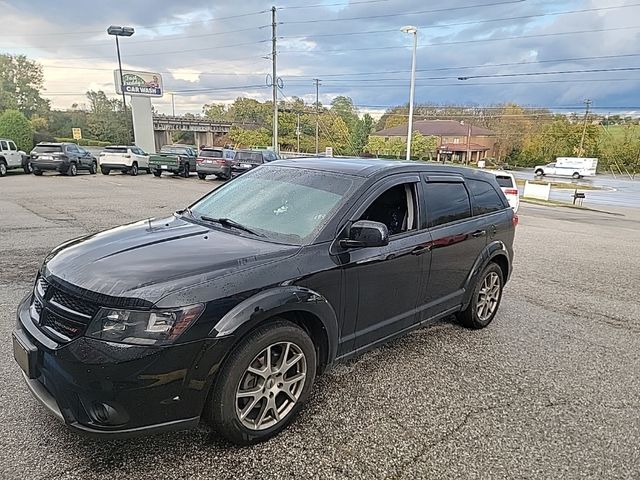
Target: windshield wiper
[227, 222]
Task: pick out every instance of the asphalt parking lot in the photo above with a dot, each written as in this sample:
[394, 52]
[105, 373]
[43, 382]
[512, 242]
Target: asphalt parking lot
[549, 390]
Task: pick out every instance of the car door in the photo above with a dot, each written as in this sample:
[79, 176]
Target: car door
[141, 158]
[14, 158]
[382, 283]
[458, 239]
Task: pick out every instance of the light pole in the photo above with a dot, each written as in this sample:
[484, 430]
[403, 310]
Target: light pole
[119, 31]
[411, 30]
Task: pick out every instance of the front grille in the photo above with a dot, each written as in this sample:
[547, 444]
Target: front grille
[69, 328]
[42, 286]
[37, 304]
[74, 303]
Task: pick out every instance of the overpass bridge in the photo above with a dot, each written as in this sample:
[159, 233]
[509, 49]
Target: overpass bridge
[205, 131]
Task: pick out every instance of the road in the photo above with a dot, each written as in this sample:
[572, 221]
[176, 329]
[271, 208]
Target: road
[549, 390]
[618, 192]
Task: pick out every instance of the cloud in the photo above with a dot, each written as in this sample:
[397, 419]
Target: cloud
[221, 49]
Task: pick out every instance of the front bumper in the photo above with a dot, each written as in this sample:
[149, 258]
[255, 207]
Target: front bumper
[114, 390]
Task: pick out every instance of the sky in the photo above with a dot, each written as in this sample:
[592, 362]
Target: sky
[214, 51]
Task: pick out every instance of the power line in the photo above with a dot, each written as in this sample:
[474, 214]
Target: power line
[325, 5]
[460, 42]
[463, 84]
[146, 27]
[420, 12]
[424, 27]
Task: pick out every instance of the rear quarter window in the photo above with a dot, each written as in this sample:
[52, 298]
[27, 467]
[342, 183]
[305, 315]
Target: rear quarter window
[485, 198]
[505, 181]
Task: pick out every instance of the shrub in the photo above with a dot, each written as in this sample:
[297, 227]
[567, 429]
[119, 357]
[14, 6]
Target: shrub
[84, 142]
[15, 126]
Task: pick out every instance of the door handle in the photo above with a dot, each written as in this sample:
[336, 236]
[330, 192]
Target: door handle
[479, 233]
[419, 250]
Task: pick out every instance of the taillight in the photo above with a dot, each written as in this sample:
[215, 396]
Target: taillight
[199, 160]
[221, 161]
[511, 191]
[515, 219]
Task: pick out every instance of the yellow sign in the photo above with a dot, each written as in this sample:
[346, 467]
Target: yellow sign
[77, 133]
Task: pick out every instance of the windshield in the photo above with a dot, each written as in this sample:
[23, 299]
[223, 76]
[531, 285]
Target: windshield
[47, 148]
[287, 205]
[255, 157]
[175, 150]
[211, 153]
[504, 181]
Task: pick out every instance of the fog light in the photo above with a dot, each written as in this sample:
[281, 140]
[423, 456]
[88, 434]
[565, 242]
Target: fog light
[106, 414]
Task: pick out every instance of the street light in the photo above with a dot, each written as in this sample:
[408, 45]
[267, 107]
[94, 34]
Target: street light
[118, 31]
[414, 31]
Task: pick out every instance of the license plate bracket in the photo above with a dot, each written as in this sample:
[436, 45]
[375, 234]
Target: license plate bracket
[25, 354]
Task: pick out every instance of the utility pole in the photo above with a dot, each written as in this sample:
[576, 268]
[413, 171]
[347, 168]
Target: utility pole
[173, 105]
[584, 129]
[317, 82]
[466, 160]
[275, 80]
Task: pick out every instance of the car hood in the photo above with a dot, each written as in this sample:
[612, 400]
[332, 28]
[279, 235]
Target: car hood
[153, 258]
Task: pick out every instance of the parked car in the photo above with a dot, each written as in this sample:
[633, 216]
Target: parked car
[65, 158]
[227, 310]
[575, 167]
[178, 159]
[11, 158]
[509, 187]
[245, 160]
[214, 161]
[124, 158]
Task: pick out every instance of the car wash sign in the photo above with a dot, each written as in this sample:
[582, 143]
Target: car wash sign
[140, 84]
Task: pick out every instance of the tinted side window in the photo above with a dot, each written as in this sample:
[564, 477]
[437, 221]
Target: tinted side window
[4, 146]
[485, 197]
[446, 202]
[71, 148]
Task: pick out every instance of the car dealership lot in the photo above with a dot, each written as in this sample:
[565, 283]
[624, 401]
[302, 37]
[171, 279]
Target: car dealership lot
[550, 389]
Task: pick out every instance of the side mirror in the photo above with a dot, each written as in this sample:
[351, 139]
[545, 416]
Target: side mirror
[365, 233]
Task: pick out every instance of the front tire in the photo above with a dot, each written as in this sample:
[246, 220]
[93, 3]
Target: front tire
[28, 168]
[157, 173]
[485, 299]
[202, 176]
[185, 170]
[37, 173]
[3, 168]
[263, 384]
[539, 173]
[133, 171]
[575, 176]
[93, 169]
[105, 171]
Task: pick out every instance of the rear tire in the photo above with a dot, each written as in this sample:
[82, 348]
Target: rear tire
[72, 171]
[485, 299]
[28, 168]
[575, 176]
[157, 173]
[539, 173]
[3, 168]
[270, 409]
[202, 176]
[105, 171]
[37, 172]
[148, 170]
[133, 171]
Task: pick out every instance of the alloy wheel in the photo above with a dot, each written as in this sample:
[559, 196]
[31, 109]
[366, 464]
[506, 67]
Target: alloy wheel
[488, 296]
[271, 385]
[3, 169]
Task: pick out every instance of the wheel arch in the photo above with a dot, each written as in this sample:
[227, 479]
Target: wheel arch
[299, 305]
[495, 252]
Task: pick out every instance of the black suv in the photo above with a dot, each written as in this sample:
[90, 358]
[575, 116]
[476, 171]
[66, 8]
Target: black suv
[299, 264]
[65, 158]
[245, 160]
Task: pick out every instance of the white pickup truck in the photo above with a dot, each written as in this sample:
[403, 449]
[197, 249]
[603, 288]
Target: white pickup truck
[575, 167]
[11, 158]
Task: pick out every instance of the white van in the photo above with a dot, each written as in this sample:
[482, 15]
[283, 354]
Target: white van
[125, 158]
[576, 167]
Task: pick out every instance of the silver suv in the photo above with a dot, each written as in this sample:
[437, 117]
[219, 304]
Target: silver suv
[11, 158]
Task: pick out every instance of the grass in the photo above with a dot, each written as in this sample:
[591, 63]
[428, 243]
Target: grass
[560, 185]
[558, 203]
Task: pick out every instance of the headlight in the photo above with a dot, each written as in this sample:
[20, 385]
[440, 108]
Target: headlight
[156, 327]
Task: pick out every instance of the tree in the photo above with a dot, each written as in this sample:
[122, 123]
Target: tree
[106, 120]
[422, 145]
[15, 126]
[396, 146]
[360, 133]
[215, 111]
[21, 81]
[343, 107]
[376, 145]
[250, 138]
